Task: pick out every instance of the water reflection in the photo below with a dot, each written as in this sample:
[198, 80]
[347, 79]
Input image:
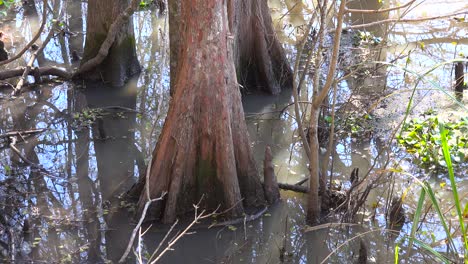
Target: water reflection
[63, 205]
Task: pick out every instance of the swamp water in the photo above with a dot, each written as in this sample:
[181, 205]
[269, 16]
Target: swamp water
[98, 139]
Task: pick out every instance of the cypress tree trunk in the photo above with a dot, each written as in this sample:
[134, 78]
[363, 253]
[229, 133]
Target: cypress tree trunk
[121, 63]
[259, 58]
[204, 148]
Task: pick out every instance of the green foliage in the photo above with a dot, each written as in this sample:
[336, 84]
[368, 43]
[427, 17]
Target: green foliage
[145, 4]
[5, 4]
[87, 116]
[427, 190]
[446, 150]
[366, 38]
[422, 138]
[354, 125]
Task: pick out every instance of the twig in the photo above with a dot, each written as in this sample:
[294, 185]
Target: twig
[171, 243]
[246, 218]
[331, 136]
[165, 238]
[296, 88]
[137, 227]
[36, 37]
[351, 239]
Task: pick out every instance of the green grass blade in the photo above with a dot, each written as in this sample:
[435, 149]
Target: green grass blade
[417, 216]
[397, 250]
[435, 203]
[427, 247]
[448, 160]
[430, 193]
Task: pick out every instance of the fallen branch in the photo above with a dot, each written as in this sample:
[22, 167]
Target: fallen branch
[302, 181]
[109, 41]
[293, 187]
[36, 71]
[31, 61]
[89, 65]
[34, 39]
[22, 133]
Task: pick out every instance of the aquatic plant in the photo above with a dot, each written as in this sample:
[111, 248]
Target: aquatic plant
[422, 138]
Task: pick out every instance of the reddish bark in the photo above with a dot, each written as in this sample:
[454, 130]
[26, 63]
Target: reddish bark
[259, 58]
[204, 149]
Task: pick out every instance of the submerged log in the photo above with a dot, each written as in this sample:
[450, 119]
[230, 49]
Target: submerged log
[270, 184]
[293, 187]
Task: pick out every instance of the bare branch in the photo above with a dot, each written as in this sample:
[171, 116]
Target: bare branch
[49, 70]
[32, 59]
[334, 58]
[409, 20]
[34, 39]
[368, 11]
[137, 227]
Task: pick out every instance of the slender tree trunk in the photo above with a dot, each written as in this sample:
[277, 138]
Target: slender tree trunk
[204, 148]
[259, 58]
[313, 206]
[121, 63]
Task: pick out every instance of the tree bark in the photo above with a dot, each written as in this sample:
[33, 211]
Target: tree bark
[121, 62]
[259, 58]
[204, 150]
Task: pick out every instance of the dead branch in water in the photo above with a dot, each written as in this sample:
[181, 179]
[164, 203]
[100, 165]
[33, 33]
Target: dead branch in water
[34, 39]
[36, 71]
[22, 134]
[293, 187]
[89, 65]
[28, 68]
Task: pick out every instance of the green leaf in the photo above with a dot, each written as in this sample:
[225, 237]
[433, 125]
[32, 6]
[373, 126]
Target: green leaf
[397, 250]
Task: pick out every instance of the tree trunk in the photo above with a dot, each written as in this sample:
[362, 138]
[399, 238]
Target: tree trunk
[258, 55]
[121, 63]
[313, 205]
[203, 150]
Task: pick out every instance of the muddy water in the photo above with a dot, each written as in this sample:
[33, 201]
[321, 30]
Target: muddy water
[98, 140]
